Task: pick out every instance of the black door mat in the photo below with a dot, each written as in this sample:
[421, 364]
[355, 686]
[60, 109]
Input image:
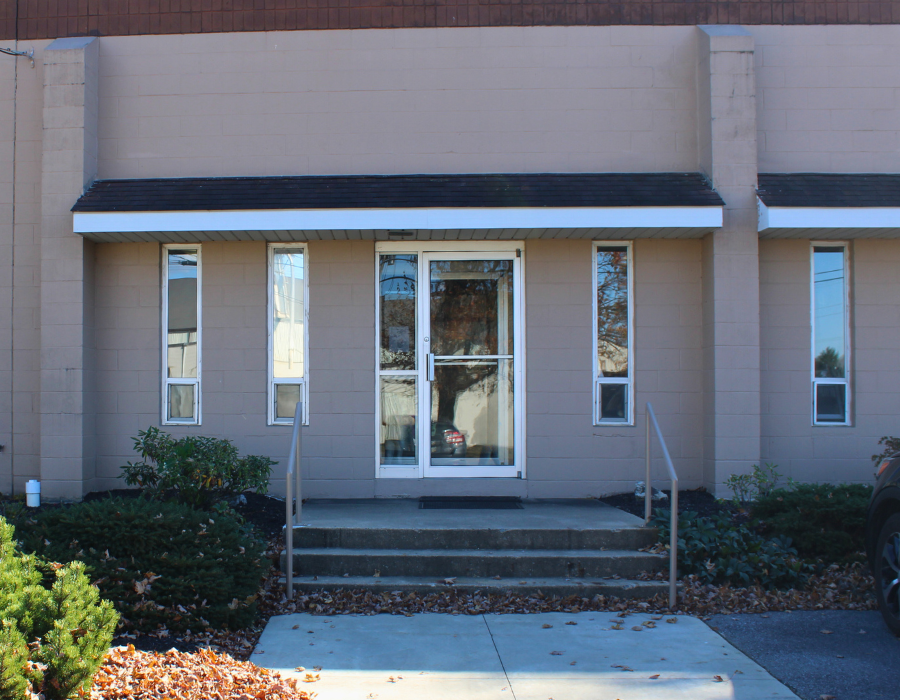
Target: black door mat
[470, 503]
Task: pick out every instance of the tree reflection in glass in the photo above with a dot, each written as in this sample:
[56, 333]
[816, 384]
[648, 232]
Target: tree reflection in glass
[829, 322]
[612, 312]
[397, 288]
[471, 306]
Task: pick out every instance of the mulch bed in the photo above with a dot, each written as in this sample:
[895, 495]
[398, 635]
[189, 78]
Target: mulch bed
[698, 500]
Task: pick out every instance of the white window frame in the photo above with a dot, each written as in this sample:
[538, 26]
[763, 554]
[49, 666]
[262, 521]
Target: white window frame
[303, 382]
[816, 381]
[166, 380]
[598, 380]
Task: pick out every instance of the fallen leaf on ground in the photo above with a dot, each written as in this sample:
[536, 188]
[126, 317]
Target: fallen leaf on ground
[127, 674]
[638, 628]
[671, 620]
[571, 622]
[718, 679]
[546, 627]
[556, 653]
[654, 676]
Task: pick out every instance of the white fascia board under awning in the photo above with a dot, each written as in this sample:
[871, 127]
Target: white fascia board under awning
[844, 222]
[87, 223]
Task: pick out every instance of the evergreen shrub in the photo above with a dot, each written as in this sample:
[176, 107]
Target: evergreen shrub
[198, 470]
[823, 521]
[721, 552]
[54, 629]
[163, 564]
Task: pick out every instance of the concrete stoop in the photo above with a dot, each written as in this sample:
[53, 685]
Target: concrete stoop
[558, 548]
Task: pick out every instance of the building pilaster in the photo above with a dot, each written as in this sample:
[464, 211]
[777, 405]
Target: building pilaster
[726, 95]
[69, 165]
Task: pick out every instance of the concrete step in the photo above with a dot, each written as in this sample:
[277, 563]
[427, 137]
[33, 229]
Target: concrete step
[443, 563]
[311, 536]
[562, 587]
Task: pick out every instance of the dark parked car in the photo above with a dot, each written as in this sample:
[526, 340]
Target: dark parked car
[883, 540]
[447, 441]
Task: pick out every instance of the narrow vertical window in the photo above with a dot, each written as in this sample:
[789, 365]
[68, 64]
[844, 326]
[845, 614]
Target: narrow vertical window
[830, 335]
[613, 372]
[181, 335]
[287, 333]
[398, 409]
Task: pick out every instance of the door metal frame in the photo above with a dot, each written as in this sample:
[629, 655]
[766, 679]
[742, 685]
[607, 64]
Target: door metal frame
[452, 250]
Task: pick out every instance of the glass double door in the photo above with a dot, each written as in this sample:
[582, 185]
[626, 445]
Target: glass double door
[449, 353]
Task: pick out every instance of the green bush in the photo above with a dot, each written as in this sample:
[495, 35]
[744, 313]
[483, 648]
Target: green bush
[823, 521]
[719, 551]
[891, 447]
[199, 470]
[162, 563]
[748, 487]
[54, 629]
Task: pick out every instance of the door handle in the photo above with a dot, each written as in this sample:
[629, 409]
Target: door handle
[430, 367]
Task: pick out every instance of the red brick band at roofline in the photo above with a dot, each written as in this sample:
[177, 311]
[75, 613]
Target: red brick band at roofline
[48, 19]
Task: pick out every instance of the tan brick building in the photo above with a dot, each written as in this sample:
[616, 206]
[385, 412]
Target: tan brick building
[473, 240]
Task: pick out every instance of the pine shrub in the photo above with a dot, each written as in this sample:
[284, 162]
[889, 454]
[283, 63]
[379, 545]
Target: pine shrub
[823, 521]
[164, 564]
[54, 629]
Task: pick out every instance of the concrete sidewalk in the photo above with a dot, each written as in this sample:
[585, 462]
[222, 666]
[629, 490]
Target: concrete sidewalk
[513, 657]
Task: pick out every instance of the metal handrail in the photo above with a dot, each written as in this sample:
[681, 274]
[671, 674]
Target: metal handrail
[292, 518]
[648, 494]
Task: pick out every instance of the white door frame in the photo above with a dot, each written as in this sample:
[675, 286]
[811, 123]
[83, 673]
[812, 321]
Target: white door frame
[452, 250]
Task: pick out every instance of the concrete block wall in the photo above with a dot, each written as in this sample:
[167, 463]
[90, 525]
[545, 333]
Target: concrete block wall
[828, 98]
[567, 455]
[398, 101]
[828, 453]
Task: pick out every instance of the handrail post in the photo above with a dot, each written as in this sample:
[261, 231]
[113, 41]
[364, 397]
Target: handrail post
[673, 514]
[647, 492]
[673, 548]
[292, 482]
[288, 536]
[298, 512]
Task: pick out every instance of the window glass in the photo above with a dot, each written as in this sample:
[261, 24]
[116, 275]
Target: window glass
[181, 402]
[397, 296]
[288, 314]
[612, 312]
[181, 316]
[828, 308]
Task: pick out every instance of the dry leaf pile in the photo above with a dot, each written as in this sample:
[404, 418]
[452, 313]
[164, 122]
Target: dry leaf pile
[127, 674]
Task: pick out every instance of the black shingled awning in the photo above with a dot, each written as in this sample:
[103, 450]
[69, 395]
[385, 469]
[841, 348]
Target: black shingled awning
[400, 191]
[829, 206]
[829, 190]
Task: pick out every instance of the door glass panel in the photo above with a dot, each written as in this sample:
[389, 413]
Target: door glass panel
[397, 296]
[398, 420]
[472, 413]
[471, 307]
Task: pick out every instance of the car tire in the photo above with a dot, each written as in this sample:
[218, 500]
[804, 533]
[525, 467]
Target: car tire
[887, 572]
